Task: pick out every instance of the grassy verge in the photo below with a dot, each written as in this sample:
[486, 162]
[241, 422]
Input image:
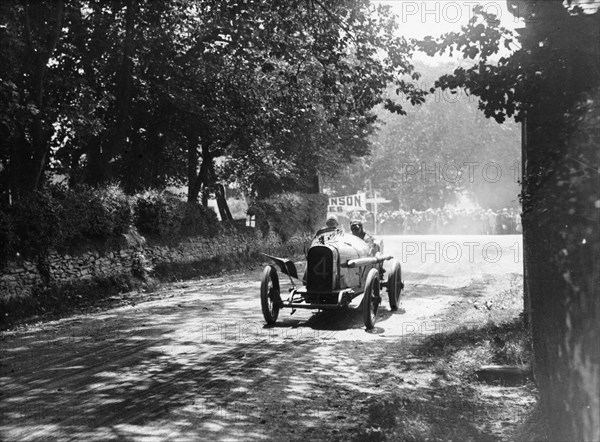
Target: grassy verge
[441, 397]
[460, 353]
[486, 329]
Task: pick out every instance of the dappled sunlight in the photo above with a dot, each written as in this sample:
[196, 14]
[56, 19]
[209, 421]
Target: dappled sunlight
[159, 384]
[298, 386]
[202, 365]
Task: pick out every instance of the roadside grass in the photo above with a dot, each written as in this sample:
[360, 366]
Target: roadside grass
[533, 429]
[450, 402]
[455, 405]
[492, 331]
[440, 414]
[458, 354]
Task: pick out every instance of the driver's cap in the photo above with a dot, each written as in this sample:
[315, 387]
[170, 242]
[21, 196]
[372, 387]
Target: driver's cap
[332, 221]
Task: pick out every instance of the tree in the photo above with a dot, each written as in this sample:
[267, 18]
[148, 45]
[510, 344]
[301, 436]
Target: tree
[95, 108]
[318, 70]
[26, 121]
[196, 92]
[442, 149]
[551, 83]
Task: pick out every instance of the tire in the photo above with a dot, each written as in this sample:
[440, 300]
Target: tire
[394, 285]
[371, 299]
[270, 294]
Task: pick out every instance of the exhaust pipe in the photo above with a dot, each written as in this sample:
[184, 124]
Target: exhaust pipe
[359, 262]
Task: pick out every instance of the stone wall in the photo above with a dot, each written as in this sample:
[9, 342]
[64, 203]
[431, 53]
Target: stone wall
[21, 278]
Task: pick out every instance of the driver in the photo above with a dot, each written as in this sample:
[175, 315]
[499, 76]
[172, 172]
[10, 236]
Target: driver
[356, 227]
[332, 222]
[330, 231]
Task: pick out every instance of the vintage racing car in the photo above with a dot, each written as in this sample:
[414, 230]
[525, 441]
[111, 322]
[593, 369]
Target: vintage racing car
[339, 267]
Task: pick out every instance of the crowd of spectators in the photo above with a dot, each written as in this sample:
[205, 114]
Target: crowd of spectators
[445, 221]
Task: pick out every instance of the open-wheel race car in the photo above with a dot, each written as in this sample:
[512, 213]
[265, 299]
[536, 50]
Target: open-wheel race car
[339, 267]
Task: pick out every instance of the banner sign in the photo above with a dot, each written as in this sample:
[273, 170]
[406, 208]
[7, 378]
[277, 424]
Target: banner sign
[341, 204]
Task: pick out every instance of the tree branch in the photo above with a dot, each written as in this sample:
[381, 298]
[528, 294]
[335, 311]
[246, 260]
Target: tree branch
[342, 25]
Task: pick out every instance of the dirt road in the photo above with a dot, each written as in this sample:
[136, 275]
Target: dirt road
[197, 363]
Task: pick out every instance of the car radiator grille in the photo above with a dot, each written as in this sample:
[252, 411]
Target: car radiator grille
[319, 269]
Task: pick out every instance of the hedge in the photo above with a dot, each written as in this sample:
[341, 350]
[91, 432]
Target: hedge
[164, 215]
[288, 214]
[60, 218]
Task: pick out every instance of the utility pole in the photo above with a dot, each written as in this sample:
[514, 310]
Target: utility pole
[370, 196]
[375, 213]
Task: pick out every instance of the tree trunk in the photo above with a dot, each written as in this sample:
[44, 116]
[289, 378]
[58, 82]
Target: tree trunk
[40, 56]
[524, 190]
[224, 211]
[194, 182]
[561, 224]
[201, 181]
[19, 161]
[124, 95]
[105, 149]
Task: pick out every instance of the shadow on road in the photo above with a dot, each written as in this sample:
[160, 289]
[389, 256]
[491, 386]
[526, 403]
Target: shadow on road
[347, 318]
[148, 380]
[203, 368]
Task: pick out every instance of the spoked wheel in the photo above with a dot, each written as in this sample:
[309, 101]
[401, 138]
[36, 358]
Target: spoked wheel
[269, 294]
[394, 285]
[371, 299]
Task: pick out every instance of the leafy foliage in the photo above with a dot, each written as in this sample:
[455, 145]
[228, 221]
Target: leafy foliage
[506, 86]
[8, 238]
[288, 214]
[58, 218]
[37, 224]
[61, 218]
[152, 94]
[92, 213]
[164, 215]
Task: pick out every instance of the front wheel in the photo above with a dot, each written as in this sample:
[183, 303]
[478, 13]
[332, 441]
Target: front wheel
[270, 294]
[394, 285]
[371, 299]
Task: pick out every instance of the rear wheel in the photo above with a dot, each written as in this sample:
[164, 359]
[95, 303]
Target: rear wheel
[371, 299]
[394, 285]
[270, 294]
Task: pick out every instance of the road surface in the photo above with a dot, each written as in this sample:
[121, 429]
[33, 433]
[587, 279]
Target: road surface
[198, 363]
